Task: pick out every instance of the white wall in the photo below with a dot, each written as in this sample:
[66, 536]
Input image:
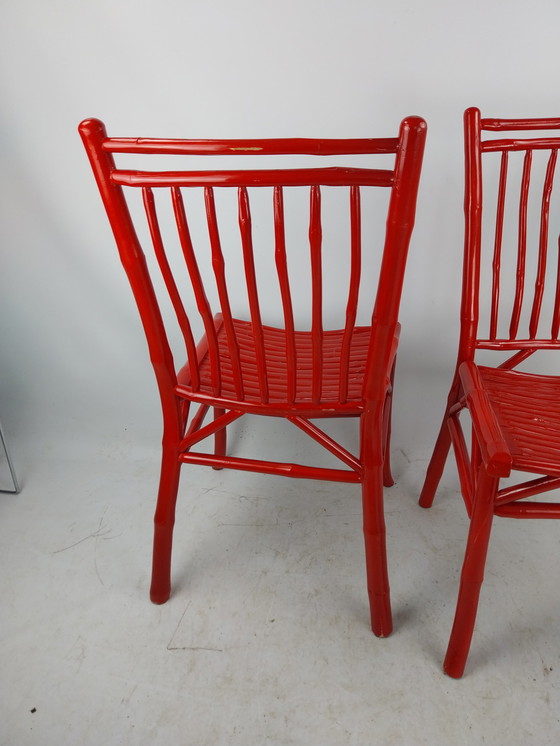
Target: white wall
[73, 357]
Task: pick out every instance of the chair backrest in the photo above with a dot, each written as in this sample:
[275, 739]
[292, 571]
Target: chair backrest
[165, 196]
[511, 280]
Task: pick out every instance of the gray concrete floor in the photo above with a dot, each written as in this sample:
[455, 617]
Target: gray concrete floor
[266, 637]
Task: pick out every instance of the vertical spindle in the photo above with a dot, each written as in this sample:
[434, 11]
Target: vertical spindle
[556, 312]
[218, 265]
[315, 243]
[354, 289]
[496, 261]
[252, 292]
[198, 288]
[171, 285]
[285, 293]
[543, 244]
[522, 245]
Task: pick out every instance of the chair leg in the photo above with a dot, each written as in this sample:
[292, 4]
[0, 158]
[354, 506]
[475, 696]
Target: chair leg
[164, 521]
[472, 575]
[220, 438]
[374, 524]
[440, 452]
[436, 466]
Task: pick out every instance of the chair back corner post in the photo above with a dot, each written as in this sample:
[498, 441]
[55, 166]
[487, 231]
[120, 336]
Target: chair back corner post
[93, 134]
[400, 223]
[469, 314]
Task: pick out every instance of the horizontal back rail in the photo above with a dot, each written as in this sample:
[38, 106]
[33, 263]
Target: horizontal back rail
[333, 176]
[543, 123]
[288, 146]
[541, 143]
[517, 344]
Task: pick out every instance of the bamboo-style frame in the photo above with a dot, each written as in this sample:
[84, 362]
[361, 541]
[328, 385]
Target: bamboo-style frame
[515, 416]
[244, 366]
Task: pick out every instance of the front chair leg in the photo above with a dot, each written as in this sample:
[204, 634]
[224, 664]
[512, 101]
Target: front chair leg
[472, 574]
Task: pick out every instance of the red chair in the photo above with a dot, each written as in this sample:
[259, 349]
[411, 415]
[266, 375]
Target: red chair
[241, 365]
[511, 307]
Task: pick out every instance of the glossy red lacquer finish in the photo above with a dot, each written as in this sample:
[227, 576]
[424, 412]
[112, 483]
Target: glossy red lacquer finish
[510, 305]
[242, 365]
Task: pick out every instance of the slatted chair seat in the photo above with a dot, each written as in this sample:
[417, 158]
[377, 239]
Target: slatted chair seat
[276, 364]
[242, 365]
[527, 409]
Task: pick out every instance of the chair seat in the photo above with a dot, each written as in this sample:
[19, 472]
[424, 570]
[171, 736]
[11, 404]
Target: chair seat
[277, 366]
[527, 407]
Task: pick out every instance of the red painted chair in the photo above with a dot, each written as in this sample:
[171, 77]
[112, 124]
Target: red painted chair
[242, 366]
[510, 306]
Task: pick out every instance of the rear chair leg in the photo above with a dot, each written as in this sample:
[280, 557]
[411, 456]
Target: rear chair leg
[436, 466]
[441, 451]
[374, 524]
[472, 575]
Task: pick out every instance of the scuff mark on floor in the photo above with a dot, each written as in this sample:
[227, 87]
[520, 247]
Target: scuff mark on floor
[100, 532]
